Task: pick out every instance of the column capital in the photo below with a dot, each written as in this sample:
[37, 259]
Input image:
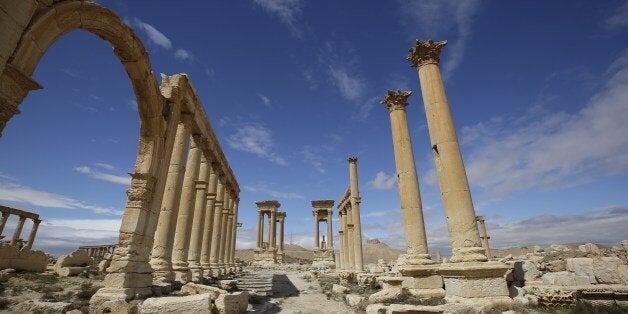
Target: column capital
[352, 159]
[396, 99]
[425, 52]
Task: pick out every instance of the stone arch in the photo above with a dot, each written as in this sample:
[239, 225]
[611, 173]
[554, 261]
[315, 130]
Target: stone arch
[130, 273]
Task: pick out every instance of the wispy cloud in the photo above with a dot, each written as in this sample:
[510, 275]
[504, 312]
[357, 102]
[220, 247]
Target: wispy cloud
[287, 11]
[99, 175]
[439, 18]
[156, 37]
[13, 192]
[619, 18]
[264, 99]
[552, 150]
[258, 140]
[383, 181]
[263, 188]
[183, 55]
[350, 85]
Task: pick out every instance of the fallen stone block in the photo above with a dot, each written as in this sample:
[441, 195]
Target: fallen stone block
[606, 270]
[414, 309]
[69, 271]
[76, 258]
[33, 306]
[561, 278]
[195, 288]
[589, 248]
[338, 289]
[228, 284]
[526, 271]
[581, 266]
[390, 295]
[199, 303]
[376, 309]
[232, 303]
[356, 300]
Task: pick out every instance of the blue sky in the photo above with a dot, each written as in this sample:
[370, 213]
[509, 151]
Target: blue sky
[539, 94]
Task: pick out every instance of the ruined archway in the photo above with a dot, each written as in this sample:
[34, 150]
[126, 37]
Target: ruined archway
[43, 25]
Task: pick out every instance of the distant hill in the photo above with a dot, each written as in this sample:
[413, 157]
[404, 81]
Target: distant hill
[294, 254]
[374, 250]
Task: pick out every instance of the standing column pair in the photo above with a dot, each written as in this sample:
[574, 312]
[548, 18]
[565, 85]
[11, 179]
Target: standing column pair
[217, 227]
[208, 224]
[198, 221]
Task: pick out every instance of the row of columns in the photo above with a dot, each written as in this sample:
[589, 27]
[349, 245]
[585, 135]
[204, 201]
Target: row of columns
[274, 217]
[15, 240]
[350, 230]
[99, 250]
[452, 178]
[196, 228]
[323, 212]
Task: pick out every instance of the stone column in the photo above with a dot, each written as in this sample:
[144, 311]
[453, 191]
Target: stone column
[330, 234]
[198, 221]
[407, 178]
[184, 218]
[350, 238]
[217, 227]
[281, 226]
[355, 208]
[484, 236]
[234, 235]
[452, 178]
[341, 238]
[3, 221]
[269, 236]
[228, 239]
[224, 236]
[272, 244]
[164, 235]
[317, 244]
[260, 229]
[208, 224]
[31, 236]
[18, 231]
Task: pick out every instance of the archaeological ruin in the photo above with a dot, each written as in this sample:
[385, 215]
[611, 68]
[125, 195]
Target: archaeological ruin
[179, 249]
[324, 256]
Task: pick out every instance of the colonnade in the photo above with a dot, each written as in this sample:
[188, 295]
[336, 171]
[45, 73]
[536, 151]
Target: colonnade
[23, 215]
[98, 251]
[350, 230]
[323, 212]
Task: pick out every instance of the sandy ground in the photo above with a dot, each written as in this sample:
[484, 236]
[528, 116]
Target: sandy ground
[292, 294]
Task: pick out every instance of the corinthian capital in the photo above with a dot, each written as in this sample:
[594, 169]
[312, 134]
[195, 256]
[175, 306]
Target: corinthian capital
[425, 52]
[396, 99]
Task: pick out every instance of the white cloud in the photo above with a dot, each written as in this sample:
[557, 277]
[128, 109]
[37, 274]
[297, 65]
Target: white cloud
[351, 86]
[377, 213]
[154, 36]
[95, 174]
[13, 192]
[619, 19]
[383, 181]
[286, 10]
[264, 99]
[183, 55]
[262, 188]
[258, 140]
[104, 166]
[436, 18]
[61, 236]
[553, 150]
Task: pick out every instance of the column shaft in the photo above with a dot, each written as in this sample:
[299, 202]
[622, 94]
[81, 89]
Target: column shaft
[229, 234]
[281, 225]
[234, 236]
[18, 231]
[185, 216]
[407, 179]
[198, 221]
[273, 229]
[330, 232]
[452, 178]
[355, 208]
[208, 224]
[31, 236]
[217, 228]
[260, 229]
[317, 240]
[224, 236]
[341, 238]
[350, 239]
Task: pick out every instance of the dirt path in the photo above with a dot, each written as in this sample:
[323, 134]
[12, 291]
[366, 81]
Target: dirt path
[292, 294]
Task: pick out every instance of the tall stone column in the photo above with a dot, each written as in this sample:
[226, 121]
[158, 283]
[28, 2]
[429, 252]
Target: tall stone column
[234, 236]
[269, 236]
[164, 235]
[355, 208]
[330, 233]
[350, 239]
[208, 224]
[407, 178]
[281, 236]
[228, 239]
[260, 229]
[317, 243]
[31, 236]
[18, 231]
[484, 236]
[452, 178]
[342, 236]
[224, 236]
[217, 227]
[184, 218]
[198, 221]
[272, 244]
[3, 221]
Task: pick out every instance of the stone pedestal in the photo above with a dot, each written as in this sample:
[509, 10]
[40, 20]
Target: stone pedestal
[474, 279]
[323, 258]
[264, 257]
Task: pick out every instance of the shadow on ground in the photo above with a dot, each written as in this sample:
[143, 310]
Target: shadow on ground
[282, 288]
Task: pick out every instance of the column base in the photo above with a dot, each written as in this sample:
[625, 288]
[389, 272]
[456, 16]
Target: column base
[468, 254]
[183, 276]
[196, 274]
[475, 280]
[421, 277]
[116, 300]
